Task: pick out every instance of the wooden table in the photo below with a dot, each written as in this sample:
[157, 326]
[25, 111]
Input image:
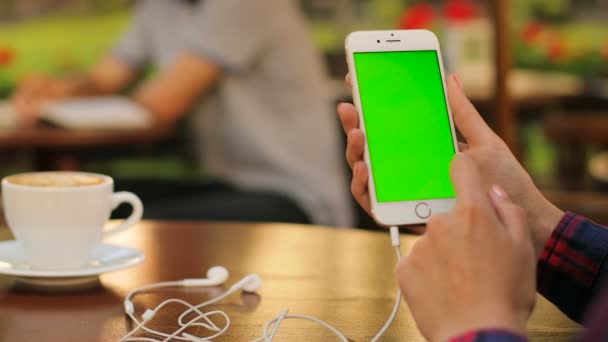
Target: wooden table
[342, 276]
[49, 137]
[60, 149]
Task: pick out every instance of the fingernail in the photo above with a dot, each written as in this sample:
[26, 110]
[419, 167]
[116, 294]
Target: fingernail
[499, 192]
[458, 81]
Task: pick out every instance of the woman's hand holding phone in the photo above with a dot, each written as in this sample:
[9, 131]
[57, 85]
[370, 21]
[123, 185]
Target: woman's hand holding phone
[474, 269]
[496, 162]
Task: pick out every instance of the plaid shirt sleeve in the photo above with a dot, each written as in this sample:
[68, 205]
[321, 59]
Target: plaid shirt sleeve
[489, 335]
[572, 266]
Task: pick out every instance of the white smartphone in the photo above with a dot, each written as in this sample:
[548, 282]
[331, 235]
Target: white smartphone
[399, 89]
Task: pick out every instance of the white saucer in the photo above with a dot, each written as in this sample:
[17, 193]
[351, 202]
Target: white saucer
[104, 258]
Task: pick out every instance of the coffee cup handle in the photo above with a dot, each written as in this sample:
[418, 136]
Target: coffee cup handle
[138, 211]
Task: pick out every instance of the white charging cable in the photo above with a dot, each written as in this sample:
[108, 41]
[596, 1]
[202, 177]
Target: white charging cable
[272, 327]
[217, 276]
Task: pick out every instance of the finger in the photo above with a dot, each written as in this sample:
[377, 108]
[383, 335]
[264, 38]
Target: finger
[23, 103]
[27, 113]
[402, 271]
[467, 182]
[411, 261]
[437, 224]
[355, 147]
[511, 215]
[359, 186]
[349, 116]
[466, 117]
[419, 230]
[462, 147]
[349, 81]
[19, 105]
[29, 95]
[34, 84]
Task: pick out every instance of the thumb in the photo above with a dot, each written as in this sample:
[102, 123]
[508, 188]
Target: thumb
[468, 182]
[511, 215]
[467, 119]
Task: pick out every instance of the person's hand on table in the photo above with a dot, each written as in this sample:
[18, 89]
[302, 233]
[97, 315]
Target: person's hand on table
[34, 92]
[496, 162]
[475, 267]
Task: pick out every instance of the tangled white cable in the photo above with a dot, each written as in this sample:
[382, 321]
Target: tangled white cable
[217, 276]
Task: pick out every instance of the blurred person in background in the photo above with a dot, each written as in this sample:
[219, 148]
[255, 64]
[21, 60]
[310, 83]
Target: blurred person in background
[263, 124]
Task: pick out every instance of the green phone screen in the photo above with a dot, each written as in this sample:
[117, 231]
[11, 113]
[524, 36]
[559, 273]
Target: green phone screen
[407, 124]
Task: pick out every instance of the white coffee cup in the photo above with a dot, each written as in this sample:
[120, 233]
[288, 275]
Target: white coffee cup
[58, 226]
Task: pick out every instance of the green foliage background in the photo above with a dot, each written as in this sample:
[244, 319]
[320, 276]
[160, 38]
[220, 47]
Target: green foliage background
[73, 37]
[61, 43]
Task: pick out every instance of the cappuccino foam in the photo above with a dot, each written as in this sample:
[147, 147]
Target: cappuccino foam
[55, 179]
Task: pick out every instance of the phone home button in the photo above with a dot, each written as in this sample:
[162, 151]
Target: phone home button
[423, 210]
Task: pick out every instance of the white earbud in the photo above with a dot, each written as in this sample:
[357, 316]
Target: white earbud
[216, 276]
[218, 272]
[253, 283]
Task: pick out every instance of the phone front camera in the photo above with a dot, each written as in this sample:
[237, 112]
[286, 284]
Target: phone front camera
[378, 41]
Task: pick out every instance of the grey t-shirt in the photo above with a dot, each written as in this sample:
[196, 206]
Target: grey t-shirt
[269, 123]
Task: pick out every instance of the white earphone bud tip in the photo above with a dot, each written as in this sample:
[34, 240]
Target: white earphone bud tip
[254, 284]
[218, 274]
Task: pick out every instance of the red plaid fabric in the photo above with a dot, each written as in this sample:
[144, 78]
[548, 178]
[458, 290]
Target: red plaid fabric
[490, 335]
[570, 266]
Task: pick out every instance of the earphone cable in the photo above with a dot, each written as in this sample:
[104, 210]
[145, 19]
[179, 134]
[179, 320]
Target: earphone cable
[270, 329]
[275, 322]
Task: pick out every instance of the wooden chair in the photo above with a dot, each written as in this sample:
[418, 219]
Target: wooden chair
[573, 133]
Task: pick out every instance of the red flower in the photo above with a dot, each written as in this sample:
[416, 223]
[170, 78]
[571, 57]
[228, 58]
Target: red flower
[557, 50]
[460, 10]
[417, 17]
[532, 32]
[7, 56]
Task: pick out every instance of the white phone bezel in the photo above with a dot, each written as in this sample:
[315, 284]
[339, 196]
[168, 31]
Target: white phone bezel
[396, 213]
